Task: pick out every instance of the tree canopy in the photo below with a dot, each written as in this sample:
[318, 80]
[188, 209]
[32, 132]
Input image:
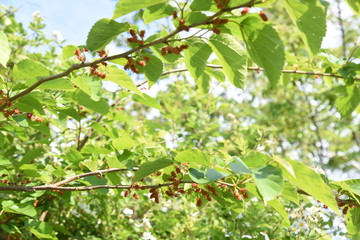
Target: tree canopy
[218, 119]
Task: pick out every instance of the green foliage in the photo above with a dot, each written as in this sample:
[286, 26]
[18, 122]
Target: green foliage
[217, 159]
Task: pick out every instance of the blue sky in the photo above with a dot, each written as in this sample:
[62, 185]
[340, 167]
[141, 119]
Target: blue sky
[73, 18]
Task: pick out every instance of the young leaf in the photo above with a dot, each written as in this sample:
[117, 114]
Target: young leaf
[196, 57]
[4, 49]
[28, 68]
[203, 83]
[148, 101]
[151, 167]
[88, 85]
[58, 84]
[103, 32]
[348, 100]
[279, 207]
[264, 46]
[153, 69]
[121, 78]
[69, 51]
[269, 182]
[311, 182]
[198, 176]
[124, 142]
[83, 99]
[157, 11]
[310, 17]
[200, 5]
[239, 167]
[193, 156]
[127, 6]
[232, 57]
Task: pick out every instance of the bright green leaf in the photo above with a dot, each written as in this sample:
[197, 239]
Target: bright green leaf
[151, 167]
[153, 69]
[69, 51]
[89, 85]
[193, 156]
[157, 11]
[277, 205]
[58, 84]
[310, 17]
[121, 78]
[232, 57]
[4, 49]
[214, 175]
[312, 183]
[103, 32]
[264, 46]
[239, 167]
[92, 165]
[124, 142]
[83, 99]
[200, 5]
[148, 101]
[269, 182]
[27, 68]
[196, 57]
[198, 176]
[127, 6]
[348, 100]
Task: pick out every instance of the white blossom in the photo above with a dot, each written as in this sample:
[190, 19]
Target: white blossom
[148, 236]
[128, 212]
[58, 36]
[37, 16]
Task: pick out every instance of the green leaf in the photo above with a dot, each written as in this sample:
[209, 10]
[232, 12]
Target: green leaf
[232, 57]
[196, 57]
[19, 208]
[264, 46]
[290, 193]
[354, 5]
[121, 78]
[310, 17]
[127, 6]
[89, 85]
[193, 156]
[151, 167]
[103, 32]
[239, 167]
[157, 11]
[28, 104]
[203, 83]
[124, 142]
[353, 221]
[41, 230]
[256, 159]
[153, 69]
[269, 182]
[92, 165]
[276, 204]
[214, 175]
[200, 5]
[198, 176]
[58, 84]
[148, 101]
[4, 49]
[348, 100]
[27, 68]
[83, 99]
[311, 182]
[69, 51]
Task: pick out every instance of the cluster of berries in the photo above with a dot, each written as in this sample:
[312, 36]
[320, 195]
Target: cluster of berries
[134, 65]
[134, 37]
[217, 22]
[95, 71]
[221, 4]
[80, 55]
[33, 118]
[4, 99]
[238, 195]
[346, 208]
[174, 50]
[6, 181]
[261, 14]
[10, 112]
